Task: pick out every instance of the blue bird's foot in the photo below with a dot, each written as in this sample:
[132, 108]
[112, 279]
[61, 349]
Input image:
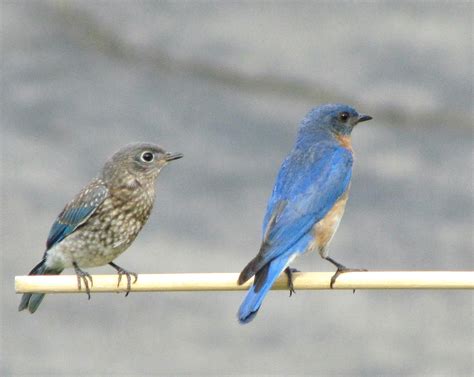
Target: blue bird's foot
[340, 270]
[83, 276]
[289, 273]
[121, 271]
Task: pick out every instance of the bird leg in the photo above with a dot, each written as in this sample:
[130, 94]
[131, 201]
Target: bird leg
[82, 275]
[121, 271]
[340, 270]
[289, 273]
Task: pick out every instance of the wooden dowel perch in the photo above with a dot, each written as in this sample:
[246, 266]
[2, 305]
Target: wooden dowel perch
[228, 281]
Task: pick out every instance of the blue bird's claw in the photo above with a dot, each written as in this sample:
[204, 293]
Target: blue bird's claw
[340, 270]
[289, 273]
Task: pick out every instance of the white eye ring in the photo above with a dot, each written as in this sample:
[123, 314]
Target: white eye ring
[147, 156]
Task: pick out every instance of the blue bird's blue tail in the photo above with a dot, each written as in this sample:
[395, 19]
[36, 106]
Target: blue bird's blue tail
[264, 280]
[33, 300]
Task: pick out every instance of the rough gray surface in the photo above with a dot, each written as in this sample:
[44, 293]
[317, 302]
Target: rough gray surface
[226, 84]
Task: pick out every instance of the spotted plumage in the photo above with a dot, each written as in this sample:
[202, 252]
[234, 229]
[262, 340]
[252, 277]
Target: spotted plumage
[103, 220]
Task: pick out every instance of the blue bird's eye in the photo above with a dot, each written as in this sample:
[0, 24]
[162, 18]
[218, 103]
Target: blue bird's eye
[147, 157]
[344, 116]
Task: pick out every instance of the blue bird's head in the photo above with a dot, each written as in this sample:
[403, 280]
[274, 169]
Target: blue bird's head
[338, 118]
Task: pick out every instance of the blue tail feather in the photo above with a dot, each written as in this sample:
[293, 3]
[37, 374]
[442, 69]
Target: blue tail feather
[31, 301]
[257, 292]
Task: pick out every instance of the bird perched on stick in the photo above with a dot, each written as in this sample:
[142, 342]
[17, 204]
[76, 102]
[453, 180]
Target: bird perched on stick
[307, 202]
[103, 220]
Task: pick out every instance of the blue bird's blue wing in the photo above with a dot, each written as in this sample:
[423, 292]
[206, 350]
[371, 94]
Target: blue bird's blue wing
[77, 212]
[308, 185]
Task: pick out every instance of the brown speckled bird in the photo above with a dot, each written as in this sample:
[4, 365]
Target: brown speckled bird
[103, 220]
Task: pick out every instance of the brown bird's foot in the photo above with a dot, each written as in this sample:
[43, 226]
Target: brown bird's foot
[340, 270]
[289, 273]
[121, 271]
[85, 277]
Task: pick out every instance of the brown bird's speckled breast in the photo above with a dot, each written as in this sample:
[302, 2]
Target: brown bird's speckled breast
[110, 230]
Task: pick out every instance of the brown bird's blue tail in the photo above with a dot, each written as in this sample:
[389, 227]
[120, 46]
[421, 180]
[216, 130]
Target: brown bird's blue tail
[33, 300]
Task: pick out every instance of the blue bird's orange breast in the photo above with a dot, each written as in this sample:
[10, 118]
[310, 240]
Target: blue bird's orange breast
[345, 141]
[324, 230]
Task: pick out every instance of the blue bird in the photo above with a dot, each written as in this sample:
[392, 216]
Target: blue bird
[104, 219]
[307, 202]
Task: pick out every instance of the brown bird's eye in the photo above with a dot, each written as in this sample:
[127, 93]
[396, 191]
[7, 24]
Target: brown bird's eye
[344, 116]
[147, 157]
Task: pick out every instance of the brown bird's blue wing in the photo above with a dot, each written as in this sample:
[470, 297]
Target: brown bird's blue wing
[77, 212]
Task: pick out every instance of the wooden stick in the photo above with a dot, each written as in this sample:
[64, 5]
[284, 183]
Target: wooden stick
[228, 281]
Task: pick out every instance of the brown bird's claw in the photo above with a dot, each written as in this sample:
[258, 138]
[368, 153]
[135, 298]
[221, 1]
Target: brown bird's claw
[85, 277]
[121, 271]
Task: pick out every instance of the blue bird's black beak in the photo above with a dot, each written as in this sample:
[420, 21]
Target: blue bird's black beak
[173, 156]
[364, 118]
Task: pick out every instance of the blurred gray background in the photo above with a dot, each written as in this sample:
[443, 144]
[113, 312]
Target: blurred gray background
[226, 83]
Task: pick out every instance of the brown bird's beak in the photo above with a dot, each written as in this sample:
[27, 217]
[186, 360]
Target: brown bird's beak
[173, 156]
[364, 118]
